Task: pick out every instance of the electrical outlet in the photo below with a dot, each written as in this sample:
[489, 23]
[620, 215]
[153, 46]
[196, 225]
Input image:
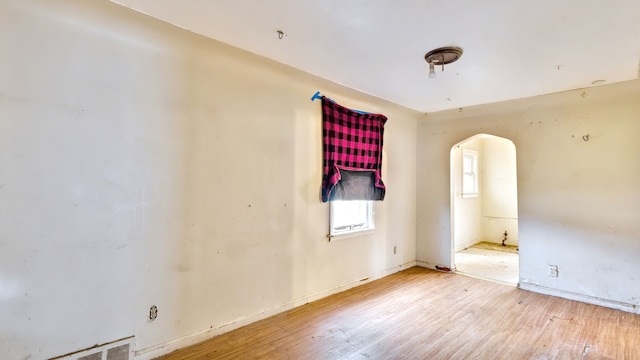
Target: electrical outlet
[153, 312]
[553, 271]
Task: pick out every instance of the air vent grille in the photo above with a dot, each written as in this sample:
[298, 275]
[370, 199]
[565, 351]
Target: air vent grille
[116, 350]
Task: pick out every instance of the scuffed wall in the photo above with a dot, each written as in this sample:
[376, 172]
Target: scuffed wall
[500, 188]
[145, 165]
[578, 201]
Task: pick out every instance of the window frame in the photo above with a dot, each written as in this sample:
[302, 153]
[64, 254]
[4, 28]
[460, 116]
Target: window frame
[473, 173]
[351, 230]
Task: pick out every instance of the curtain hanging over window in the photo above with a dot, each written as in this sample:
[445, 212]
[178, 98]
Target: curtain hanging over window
[352, 153]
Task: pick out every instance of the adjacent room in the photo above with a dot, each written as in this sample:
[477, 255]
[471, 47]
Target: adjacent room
[163, 167]
[484, 208]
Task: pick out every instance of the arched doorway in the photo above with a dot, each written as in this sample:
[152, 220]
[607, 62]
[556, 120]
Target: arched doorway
[484, 208]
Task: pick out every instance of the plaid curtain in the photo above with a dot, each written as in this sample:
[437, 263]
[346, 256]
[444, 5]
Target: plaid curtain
[352, 153]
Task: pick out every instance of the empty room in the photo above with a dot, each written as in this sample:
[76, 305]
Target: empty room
[170, 183]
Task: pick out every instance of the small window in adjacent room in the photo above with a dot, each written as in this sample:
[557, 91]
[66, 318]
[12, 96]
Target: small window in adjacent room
[469, 173]
[349, 217]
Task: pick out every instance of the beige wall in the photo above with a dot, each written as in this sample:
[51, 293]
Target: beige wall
[144, 165]
[467, 212]
[500, 190]
[578, 201]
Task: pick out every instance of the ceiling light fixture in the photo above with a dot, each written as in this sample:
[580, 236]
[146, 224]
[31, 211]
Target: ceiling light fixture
[441, 56]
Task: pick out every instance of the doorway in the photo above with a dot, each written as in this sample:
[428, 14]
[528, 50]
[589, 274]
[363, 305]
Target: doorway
[484, 209]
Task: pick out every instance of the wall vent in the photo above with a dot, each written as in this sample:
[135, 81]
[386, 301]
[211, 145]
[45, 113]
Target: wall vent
[117, 350]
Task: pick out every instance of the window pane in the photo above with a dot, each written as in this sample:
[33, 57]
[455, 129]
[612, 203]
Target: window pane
[469, 172]
[349, 216]
[467, 164]
[468, 184]
[350, 212]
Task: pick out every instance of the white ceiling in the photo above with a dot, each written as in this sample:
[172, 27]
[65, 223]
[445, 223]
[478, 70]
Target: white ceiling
[512, 48]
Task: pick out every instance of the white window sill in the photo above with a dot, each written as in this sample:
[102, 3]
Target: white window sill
[470, 195]
[350, 234]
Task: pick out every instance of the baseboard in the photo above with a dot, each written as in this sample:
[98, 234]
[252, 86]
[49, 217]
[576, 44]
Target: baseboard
[613, 304]
[618, 305]
[200, 336]
[428, 265]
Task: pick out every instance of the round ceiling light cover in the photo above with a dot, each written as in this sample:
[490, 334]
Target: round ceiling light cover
[444, 55]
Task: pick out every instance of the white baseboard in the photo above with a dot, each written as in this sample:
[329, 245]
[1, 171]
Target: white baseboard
[200, 336]
[613, 304]
[428, 265]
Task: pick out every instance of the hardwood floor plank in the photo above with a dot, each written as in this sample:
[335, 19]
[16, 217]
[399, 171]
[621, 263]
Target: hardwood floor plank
[424, 314]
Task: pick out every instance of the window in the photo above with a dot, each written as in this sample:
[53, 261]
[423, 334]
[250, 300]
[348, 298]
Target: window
[349, 217]
[469, 173]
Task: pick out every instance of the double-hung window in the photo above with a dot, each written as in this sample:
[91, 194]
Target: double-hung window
[469, 173]
[352, 216]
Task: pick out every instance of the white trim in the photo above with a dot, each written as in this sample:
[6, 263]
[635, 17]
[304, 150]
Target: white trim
[350, 234]
[155, 351]
[613, 304]
[476, 182]
[370, 224]
[425, 264]
[428, 265]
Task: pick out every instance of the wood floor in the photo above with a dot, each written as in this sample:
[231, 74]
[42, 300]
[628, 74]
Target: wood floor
[424, 314]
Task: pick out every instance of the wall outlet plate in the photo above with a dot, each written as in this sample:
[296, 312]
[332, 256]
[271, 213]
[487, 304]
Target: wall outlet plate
[153, 312]
[553, 271]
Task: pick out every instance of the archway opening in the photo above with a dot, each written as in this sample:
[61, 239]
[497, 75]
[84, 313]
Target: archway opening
[484, 209]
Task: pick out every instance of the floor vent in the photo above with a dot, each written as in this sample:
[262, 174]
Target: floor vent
[116, 350]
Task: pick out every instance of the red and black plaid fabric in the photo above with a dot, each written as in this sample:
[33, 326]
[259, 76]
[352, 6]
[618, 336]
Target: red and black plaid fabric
[351, 141]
